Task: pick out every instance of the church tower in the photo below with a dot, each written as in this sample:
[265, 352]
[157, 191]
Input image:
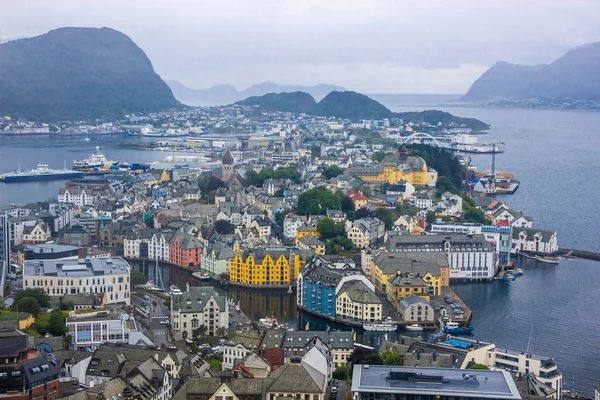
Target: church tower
[227, 168]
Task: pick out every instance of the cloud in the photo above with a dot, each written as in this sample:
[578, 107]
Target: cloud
[370, 45]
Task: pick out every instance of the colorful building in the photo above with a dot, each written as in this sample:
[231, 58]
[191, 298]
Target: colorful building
[395, 168]
[185, 250]
[404, 285]
[305, 230]
[262, 266]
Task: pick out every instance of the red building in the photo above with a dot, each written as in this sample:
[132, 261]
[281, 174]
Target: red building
[185, 250]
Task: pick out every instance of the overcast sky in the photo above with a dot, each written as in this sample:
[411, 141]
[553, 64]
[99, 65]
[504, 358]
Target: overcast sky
[372, 46]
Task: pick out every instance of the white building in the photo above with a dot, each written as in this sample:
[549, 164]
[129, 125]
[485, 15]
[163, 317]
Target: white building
[534, 240]
[196, 307]
[79, 197]
[416, 309]
[215, 259]
[291, 223]
[84, 275]
[239, 347]
[158, 247]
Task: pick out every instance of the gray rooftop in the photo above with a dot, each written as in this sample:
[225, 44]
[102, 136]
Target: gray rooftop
[446, 382]
[80, 268]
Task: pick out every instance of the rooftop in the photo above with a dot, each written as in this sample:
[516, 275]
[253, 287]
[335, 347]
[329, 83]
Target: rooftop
[434, 382]
[80, 268]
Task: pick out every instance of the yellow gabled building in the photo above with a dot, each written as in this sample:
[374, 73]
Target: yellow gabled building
[305, 230]
[268, 266]
[395, 168]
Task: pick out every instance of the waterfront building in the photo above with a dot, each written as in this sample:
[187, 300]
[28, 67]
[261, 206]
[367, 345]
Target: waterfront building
[431, 266]
[239, 347]
[267, 266]
[198, 306]
[534, 241]
[79, 197]
[416, 309]
[85, 275]
[379, 382]
[468, 256]
[158, 246]
[403, 285]
[395, 168]
[185, 250]
[90, 330]
[216, 259]
[357, 302]
[340, 343]
[25, 372]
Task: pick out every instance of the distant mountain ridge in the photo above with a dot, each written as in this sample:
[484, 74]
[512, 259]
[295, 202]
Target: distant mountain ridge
[352, 106]
[575, 75]
[227, 94]
[79, 73]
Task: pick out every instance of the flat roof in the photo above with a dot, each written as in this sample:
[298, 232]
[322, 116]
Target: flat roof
[77, 268]
[442, 381]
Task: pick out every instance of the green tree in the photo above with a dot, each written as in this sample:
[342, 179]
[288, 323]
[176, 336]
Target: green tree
[342, 372]
[56, 323]
[373, 359]
[224, 227]
[378, 156]
[67, 305]
[444, 184]
[430, 218]
[38, 294]
[221, 331]
[138, 278]
[29, 304]
[332, 171]
[480, 367]
[317, 201]
[388, 216]
[326, 227]
[362, 213]
[391, 358]
[280, 217]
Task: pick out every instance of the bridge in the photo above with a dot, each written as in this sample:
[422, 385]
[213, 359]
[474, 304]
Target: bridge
[421, 136]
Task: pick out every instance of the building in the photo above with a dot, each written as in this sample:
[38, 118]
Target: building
[359, 199]
[185, 250]
[216, 258]
[90, 330]
[340, 343]
[4, 251]
[239, 347]
[198, 306]
[158, 246]
[469, 256]
[77, 235]
[395, 168]
[39, 233]
[359, 235]
[304, 230]
[311, 242]
[49, 252]
[378, 382]
[534, 241]
[97, 275]
[271, 348]
[357, 302]
[79, 197]
[26, 374]
[291, 223]
[416, 309]
[264, 266]
[374, 226]
[406, 284]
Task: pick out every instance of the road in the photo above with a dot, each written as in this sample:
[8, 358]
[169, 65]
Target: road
[158, 313]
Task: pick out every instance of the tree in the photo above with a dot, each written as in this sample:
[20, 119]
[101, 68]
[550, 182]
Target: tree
[315, 151]
[378, 156]
[317, 201]
[444, 184]
[373, 359]
[388, 216]
[342, 372]
[38, 294]
[430, 218]
[480, 367]
[203, 329]
[347, 204]
[56, 323]
[221, 331]
[362, 213]
[29, 304]
[326, 227]
[224, 227]
[67, 305]
[391, 358]
[138, 278]
[332, 171]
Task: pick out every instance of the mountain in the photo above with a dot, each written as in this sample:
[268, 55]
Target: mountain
[79, 73]
[351, 105]
[295, 102]
[227, 94]
[575, 75]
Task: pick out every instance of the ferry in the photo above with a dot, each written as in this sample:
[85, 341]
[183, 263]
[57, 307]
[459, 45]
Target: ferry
[203, 276]
[384, 326]
[95, 160]
[271, 323]
[455, 328]
[174, 290]
[414, 327]
[41, 173]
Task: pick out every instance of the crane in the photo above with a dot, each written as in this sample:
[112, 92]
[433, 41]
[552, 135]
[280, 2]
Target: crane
[492, 180]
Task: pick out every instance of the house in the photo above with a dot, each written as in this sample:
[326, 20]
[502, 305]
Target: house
[262, 226]
[404, 285]
[421, 200]
[198, 306]
[359, 199]
[239, 347]
[215, 259]
[336, 215]
[402, 189]
[79, 197]
[309, 229]
[40, 233]
[357, 302]
[77, 235]
[374, 226]
[311, 242]
[416, 309]
[340, 343]
[359, 235]
[185, 250]
[291, 223]
[534, 241]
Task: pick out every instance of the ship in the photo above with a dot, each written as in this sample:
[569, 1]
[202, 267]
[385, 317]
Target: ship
[41, 173]
[384, 326]
[455, 328]
[96, 160]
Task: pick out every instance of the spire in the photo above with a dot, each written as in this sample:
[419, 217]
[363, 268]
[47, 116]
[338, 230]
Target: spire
[227, 158]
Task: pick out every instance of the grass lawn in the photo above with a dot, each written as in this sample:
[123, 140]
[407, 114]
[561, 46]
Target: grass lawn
[216, 364]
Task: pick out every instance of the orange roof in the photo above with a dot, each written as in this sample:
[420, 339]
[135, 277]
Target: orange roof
[354, 195]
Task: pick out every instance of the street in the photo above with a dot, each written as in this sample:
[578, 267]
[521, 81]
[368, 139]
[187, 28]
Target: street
[158, 313]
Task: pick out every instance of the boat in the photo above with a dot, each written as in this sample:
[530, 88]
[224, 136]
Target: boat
[87, 139]
[547, 259]
[174, 290]
[204, 276]
[455, 328]
[519, 272]
[414, 327]
[41, 173]
[384, 326]
[95, 160]
[271, 323]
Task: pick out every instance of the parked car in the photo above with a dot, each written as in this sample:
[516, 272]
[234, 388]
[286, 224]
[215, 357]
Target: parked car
[164, 322]
[154, 302]
[147, 297]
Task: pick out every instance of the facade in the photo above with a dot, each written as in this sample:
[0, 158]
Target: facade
[311, 242]
[77, 235]
[395, 168]
[4, 251]
[340, 344]
[79, 197]
[239, 347]
[196, 307]
[216, 258]
[379, 382]
[374, 226]
[291, 223]
[40, 233]
[416, 309]
[359, 235]
[158, 247]
[534, 241]
[356, 302]
[405, 285]
[260, 266]
[304, 230]
[185, 250]
[98, 275]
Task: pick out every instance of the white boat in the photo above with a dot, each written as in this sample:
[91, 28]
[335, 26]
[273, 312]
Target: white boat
[380, 326]
[414, 327]
[95, 160]
[175, 290]
[87, 139]
[271, 323]
[548, 259]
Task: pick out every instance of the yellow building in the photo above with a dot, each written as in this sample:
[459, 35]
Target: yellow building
[268, 266]
[432, 267]
[311, 242]
[405, 285]
[394, 168]
[25, 320]
[356, 302]
[307, 230]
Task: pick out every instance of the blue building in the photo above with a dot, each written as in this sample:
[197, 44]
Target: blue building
[501, 235]
[316, 287]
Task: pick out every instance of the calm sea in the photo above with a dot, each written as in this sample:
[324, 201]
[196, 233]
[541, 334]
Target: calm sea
[551, 309]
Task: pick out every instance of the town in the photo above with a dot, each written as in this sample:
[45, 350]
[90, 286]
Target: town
[119, 285]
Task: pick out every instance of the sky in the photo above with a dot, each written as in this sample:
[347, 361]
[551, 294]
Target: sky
[371, 46]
